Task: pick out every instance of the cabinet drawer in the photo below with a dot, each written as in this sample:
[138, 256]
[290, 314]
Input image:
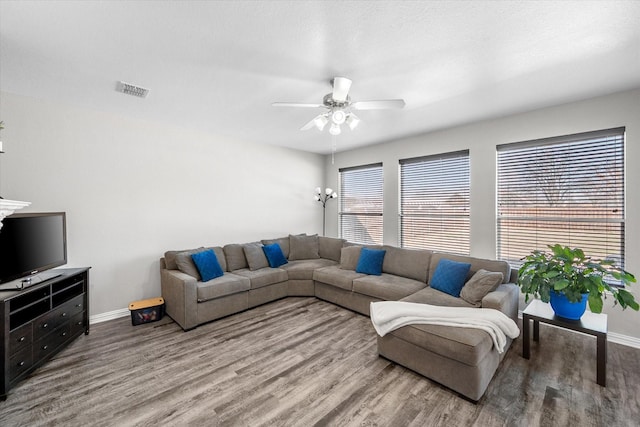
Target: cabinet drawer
[45, 346]
[20, 362]
[50, 321]
[20, 338]
[77, 324]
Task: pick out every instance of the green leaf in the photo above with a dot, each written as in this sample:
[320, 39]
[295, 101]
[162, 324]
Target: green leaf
[626, 300]
[595, 303]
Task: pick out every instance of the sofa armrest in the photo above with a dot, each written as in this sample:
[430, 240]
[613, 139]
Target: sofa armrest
[180, 296]
[505, 299]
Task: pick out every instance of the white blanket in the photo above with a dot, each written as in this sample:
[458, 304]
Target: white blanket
[387, 316]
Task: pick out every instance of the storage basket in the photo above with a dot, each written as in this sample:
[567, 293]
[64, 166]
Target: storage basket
[147, 310]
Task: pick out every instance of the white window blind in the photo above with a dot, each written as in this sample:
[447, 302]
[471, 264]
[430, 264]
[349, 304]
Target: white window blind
[361, 204]
[434, 202]
[567, 190]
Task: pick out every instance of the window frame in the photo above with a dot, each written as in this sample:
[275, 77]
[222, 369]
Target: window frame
[353, 234]
[582, 223]
[449, 228]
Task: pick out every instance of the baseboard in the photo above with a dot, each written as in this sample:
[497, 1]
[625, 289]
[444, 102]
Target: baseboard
[109, 315]
[611, 336]
[623, 339]
[124, 312]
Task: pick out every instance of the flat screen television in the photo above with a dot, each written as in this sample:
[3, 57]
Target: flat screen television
[31, 243]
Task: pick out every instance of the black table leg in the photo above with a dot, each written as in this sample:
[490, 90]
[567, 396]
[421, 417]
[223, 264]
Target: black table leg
[525, 336]
[601, 369]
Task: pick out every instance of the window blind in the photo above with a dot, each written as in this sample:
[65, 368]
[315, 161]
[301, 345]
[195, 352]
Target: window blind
[434, 202]
[361, 204]
[567, 190]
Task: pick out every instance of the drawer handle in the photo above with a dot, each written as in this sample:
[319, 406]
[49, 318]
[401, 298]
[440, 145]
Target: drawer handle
[64, 334]
[64, 315]
[79, 323]
[21, 363]
[45, 325]
[21, 339]
[78, 305]
[44, 347]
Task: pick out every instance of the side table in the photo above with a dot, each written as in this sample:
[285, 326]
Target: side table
[590, 323]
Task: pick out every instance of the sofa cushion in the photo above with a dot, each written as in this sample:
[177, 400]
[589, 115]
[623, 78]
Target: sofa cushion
[303, 247]
[170, 257]
[255, 255]
[435, 297]
[450, 276]
[274, 255]
[370, 261]
[330, 248]
[480, 285]
[336, 276]
[410, 263]
[207, 264]
[476, 264]
[282, 241]
[234, 253]
[349, 256]
[466, 345]
[303, 269]
[263, 277]
[226, 284]
[387, 286]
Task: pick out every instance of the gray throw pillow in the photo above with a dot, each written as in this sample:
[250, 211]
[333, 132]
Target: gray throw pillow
[234, 253]
[303, 247]
[480, 285]
[255, 256]
[349, 256]
[330, 248]
[170, 257]
[186, 265]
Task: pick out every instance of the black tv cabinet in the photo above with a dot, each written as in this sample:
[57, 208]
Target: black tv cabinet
[39, 321]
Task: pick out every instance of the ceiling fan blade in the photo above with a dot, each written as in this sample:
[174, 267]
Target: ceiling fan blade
[378, 105]
[296, 104]
[341, 86]
[309, 125]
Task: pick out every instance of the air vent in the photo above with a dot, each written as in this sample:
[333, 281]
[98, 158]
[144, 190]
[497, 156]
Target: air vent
[130, 89]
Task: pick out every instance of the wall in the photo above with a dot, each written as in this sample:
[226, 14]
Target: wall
[133, 190]
[621, 109]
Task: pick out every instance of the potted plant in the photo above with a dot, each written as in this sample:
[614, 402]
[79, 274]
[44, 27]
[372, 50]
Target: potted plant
[566, 277]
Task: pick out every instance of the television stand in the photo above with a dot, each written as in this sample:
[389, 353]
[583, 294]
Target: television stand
[39, 278]
[39, 321]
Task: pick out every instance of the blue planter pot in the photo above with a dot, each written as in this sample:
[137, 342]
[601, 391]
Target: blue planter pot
[567, 309]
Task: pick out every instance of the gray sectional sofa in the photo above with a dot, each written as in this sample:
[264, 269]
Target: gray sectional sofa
[462, 359]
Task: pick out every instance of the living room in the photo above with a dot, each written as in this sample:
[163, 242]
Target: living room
[137, 179]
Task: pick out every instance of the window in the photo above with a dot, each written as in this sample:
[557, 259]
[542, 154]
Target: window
[434, 202]
[360, 204]
[567, 190]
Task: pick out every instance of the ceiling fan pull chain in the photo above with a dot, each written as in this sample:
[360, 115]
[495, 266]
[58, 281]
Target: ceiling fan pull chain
[333, 148]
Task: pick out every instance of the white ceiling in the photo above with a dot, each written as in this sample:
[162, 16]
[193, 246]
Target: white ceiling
[217, 66]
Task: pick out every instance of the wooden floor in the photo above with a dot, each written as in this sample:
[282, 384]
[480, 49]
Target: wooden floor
[304, 362]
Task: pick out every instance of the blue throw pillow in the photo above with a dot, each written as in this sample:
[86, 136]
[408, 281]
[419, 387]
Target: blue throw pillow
[274, 255]
[450, 276]
[370, 261]
[207, 264]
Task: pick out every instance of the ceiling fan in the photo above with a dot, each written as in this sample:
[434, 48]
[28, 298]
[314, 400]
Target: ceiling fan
[339, 105]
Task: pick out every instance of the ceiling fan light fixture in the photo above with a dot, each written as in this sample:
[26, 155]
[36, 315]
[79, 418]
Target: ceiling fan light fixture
[320, 122]
[352, 121]
[335, 129]
[338, 117]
